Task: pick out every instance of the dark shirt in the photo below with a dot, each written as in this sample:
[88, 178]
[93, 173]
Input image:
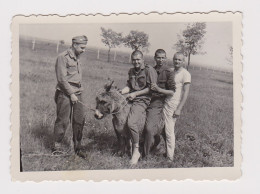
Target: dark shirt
[68, 73]
[142, 79]
[163, 80]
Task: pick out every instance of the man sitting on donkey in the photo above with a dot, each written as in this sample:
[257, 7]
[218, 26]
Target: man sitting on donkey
[141, 76]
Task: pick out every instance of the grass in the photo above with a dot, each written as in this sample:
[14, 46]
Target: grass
[204, 132]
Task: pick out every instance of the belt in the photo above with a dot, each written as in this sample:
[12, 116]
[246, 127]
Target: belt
[78, 85]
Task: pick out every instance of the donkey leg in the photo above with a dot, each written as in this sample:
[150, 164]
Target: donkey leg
[148, 142]
[115, 129]
[157, 140]
[122, 146]
[120, 139]
[129, 146]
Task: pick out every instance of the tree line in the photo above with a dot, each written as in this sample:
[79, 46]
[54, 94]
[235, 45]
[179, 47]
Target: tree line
[190, 41]
[135, 40]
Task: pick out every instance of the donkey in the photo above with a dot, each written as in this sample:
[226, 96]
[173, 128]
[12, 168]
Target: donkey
[110, 101]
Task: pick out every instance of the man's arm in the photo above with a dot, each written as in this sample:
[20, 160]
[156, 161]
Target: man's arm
[125, 90]
[133, 95]
[156, 88]
[61, 73]
[186, 89]
[151, 79]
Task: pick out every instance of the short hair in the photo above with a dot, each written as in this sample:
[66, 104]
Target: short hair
[137, 52]
[179, 53]
[159, 51]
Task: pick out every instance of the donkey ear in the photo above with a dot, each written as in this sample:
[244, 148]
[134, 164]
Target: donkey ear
[108, 85]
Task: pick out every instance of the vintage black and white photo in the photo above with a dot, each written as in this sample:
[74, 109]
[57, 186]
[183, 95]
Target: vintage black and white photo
[152, 96]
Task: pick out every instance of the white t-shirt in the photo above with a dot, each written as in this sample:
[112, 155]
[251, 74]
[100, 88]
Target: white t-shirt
[181, 77]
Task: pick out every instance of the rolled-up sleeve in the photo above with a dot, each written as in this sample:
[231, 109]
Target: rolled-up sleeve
[128, 82]
[151, 76]
[61, 74]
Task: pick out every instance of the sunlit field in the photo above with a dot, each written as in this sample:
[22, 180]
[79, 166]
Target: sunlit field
[204, 132]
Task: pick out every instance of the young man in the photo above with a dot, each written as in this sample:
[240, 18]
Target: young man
[141, 77]
[154, 120]
[68, 93]
[174, 101]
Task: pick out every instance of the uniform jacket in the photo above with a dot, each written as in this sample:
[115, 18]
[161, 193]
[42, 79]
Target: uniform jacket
[142, 79]
[164, 79]
[68, 73]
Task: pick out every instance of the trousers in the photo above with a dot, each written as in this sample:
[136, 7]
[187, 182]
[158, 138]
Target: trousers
[154, 124]
[154, 119]
[170, 106]
[136, 119]
[66, 113]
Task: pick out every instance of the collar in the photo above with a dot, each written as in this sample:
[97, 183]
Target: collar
[141, 68]
[162, 68]
[71, 54]
[179, 70]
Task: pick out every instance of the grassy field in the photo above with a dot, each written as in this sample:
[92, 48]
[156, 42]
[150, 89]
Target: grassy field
[204, 132]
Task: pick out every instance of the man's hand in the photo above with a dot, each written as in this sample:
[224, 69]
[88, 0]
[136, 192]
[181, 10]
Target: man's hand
[131, 96]
[176, 113]
[74, 99]
[155, 87]
[125, 90]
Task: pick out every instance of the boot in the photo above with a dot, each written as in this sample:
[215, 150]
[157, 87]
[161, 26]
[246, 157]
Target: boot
[57, 149]
[136, 154]
[82, 154]
[78, 150]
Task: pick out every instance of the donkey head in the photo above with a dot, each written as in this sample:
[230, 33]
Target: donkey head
[107, 101]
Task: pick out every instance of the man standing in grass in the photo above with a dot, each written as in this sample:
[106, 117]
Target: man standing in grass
[155, 120]
[68, 95]
[141, 77]
[174, 101]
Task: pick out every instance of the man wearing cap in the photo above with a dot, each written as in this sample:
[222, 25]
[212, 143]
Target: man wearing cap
[68, 94]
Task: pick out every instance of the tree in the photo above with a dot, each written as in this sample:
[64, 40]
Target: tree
[111, 39]
[191, 40]
[62, 42]
[137, 40]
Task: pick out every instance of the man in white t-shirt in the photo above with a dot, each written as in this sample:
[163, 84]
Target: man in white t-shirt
[174, 101]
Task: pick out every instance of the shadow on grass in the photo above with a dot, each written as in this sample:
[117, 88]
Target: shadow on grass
[44, 135]
[103, 142]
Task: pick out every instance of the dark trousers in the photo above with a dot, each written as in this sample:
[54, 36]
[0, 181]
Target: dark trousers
[154, 123]
[66, 113]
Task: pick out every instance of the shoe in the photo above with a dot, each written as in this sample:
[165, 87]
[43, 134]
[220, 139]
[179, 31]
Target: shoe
[77, 146]
[135, 158]
[81, 154]
[167, 158]
[57, 149]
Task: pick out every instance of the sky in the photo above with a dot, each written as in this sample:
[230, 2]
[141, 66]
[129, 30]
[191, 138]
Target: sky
[218, 37]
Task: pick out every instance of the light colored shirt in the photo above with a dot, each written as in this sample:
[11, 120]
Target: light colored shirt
[181, 77]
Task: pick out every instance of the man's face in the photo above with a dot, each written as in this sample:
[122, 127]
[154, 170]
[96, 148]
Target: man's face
[79, 48]
[160, 59]
[137, 61]
[178, 61]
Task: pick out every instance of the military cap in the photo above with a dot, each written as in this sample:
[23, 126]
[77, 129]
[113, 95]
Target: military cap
[80, 39]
